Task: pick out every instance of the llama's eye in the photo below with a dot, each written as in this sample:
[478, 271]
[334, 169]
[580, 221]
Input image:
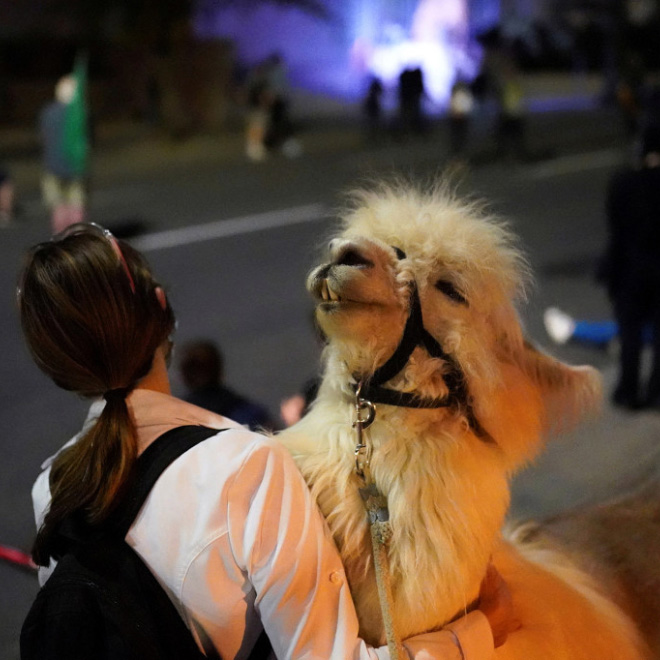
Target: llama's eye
[400, 254]
[450, 291]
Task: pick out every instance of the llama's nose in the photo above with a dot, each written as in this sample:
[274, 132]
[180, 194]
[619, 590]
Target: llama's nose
[350, 254]
[334, 244]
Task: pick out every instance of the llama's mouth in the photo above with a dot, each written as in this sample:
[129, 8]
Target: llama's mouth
[329, 300]
[327, 293]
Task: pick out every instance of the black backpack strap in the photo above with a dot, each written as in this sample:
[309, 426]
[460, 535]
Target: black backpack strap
[152, 463]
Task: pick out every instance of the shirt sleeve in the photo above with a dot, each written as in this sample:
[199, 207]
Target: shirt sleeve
[280, 539]
[467, 638]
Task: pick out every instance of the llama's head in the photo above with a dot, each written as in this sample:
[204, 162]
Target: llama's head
[433, 281]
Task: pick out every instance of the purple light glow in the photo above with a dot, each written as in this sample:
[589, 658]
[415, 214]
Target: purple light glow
[362, 38]
[315, 50]
[437, 42]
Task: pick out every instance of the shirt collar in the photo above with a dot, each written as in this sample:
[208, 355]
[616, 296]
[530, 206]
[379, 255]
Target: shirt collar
[154, 414]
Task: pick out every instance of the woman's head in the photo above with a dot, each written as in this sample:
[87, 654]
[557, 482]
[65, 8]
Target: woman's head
[92, 314]
[93, 318]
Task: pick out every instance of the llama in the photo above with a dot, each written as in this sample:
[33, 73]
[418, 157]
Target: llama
[417, 301]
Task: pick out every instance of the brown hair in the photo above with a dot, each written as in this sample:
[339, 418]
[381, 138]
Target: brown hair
[92, 321]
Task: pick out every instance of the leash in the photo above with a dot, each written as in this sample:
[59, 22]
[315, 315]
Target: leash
[369, 391]
[378, 516]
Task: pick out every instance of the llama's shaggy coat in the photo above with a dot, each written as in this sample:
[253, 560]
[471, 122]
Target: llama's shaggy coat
[446, 485]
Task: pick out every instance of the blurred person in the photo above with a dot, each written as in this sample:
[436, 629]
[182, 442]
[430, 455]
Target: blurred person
[229, 529]
[279, 134]
[630, 91]
[651, 111]
[630, 270]
[6, 197]
[411, 92]
[202, 368]
[63, 130]
[372, 109]
[461, 105]
[511, 110]
[295, 407]
[258, 117]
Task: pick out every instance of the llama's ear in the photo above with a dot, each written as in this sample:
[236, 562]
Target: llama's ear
[569, 393]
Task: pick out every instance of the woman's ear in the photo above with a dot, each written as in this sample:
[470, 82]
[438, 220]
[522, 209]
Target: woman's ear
[161, 297]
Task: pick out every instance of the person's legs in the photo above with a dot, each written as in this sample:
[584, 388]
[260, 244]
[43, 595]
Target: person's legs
[53, 199]
[77, 199]
[652, 397]
[6, 200]
[255, 135]
[631, 322]
[70, 208]
[50, 190]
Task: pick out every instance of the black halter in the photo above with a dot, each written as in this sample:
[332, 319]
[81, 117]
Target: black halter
[414, 334]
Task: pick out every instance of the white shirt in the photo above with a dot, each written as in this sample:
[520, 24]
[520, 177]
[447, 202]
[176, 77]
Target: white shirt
[232, 534]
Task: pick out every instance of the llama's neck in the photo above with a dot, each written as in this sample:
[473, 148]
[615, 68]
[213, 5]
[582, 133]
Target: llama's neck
[446, 492]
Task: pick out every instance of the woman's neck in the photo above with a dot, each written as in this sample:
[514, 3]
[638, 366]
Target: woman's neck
[157, 379]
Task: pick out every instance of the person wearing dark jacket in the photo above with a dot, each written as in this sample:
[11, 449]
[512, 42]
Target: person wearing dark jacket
[202, 370]
[631, 270]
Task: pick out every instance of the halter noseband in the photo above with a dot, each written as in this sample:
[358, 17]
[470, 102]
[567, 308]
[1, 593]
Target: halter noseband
[415, 334]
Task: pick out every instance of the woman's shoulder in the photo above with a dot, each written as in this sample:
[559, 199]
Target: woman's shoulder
[232, 450]
[239, 445]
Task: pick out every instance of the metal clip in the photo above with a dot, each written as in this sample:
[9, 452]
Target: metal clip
[362, 449]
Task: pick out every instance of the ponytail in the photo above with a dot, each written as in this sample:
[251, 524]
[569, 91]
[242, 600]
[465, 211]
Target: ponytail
[93, 321]
[90, 476]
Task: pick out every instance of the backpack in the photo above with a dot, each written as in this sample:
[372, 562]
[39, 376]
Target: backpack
[101, 601]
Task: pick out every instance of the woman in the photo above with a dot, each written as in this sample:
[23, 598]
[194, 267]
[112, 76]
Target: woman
[229, 529]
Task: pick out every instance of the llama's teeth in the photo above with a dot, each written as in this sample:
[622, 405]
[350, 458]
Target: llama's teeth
[333, 295]
[325, 293]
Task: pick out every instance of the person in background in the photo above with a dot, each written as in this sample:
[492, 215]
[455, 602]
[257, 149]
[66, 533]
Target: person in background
[411, 92]
[230, 529]
[202, 368]
[630, 270]
[461, 105]
[372, 109]
[6, 197]
[510, 132]
[295, 407]
[279, 135]
[64, 177]
[259, 99]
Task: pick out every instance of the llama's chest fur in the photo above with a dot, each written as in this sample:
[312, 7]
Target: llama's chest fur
[443, 526]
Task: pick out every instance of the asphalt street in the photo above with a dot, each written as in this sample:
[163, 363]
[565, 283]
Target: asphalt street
[232, 241]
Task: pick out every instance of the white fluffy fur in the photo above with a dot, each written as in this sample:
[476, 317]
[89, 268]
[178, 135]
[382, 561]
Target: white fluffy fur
[447, 489]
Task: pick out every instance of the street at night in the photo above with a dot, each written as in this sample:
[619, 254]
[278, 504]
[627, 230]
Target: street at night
[232, 242]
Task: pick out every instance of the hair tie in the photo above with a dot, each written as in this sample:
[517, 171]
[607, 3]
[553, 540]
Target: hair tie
[118, 394]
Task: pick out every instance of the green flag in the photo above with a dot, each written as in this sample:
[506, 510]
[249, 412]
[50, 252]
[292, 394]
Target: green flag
[76, 138]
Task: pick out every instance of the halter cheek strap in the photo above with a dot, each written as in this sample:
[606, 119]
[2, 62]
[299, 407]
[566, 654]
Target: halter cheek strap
[414, 334]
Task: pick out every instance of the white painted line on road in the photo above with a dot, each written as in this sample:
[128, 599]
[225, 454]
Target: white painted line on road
[230, 227]
[576, 163]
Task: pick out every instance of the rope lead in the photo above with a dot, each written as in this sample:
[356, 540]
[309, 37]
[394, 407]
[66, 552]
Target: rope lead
[378, 515]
